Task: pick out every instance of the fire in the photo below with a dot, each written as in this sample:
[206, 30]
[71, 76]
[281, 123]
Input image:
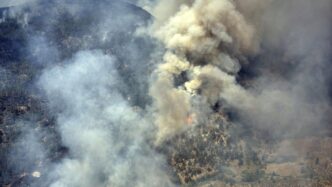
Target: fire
[191, 119]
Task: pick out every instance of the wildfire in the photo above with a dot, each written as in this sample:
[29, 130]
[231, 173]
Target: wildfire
[191, 119]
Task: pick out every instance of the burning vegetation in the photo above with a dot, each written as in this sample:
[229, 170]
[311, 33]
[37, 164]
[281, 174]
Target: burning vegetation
[180, 93]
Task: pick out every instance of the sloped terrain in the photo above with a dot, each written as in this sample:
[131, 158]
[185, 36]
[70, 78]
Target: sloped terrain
[222, 151]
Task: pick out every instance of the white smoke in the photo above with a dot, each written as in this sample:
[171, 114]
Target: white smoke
[291, 95]
[107, 137]
[207, 44]
[201, 38]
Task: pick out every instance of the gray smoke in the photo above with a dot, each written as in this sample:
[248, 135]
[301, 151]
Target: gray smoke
[95, 82]
[291, 94]
[105, 135]
[116, 93]
[268, 60]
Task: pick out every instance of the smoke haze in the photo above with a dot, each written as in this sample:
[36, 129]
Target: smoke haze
[120, 83]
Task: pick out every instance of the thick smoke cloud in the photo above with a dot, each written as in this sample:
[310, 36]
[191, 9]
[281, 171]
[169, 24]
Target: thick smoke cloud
[208, 42]
[116, 93]
[202, 41]
[94, 78]
[105, 135]
[291, 95]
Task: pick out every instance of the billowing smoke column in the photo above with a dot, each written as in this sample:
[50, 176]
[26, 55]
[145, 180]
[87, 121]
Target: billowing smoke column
[211, 44]
[113, 108]
[203, 40]
[106, 136]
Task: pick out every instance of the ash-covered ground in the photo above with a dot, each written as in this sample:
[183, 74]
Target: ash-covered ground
[165, 93]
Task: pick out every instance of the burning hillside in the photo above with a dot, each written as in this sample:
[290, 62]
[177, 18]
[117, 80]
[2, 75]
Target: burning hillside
[176, 93]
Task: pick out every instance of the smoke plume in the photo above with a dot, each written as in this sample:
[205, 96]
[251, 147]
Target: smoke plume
[211, 44]
[117, 94]
[203, 40]
[105, 135]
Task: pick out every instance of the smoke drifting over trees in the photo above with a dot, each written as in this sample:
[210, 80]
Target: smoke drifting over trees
[121, 86]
